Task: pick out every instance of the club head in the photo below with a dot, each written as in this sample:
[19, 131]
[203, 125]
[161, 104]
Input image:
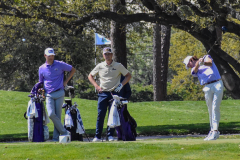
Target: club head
[67, 88]
[64, 105]
[70, 90]
[224, 29]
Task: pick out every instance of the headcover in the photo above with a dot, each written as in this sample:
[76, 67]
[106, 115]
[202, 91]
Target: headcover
[35, 88]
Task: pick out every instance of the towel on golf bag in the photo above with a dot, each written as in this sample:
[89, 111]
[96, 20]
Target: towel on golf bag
[127, 130]
[113, 118]
[68, 119]
[80, 127]
[32, 111]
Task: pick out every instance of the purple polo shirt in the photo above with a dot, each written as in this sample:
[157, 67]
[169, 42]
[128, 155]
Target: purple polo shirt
[52, 75]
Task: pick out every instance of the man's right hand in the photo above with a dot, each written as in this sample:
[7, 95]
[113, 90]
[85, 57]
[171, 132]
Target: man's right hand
[99, 89]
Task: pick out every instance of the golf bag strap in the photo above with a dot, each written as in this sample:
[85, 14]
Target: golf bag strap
[25, 115]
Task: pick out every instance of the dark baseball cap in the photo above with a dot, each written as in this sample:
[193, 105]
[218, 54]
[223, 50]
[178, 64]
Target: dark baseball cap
[107, 50]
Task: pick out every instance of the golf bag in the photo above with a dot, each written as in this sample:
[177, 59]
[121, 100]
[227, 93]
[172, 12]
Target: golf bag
[123, 122]
[127, 130]
[36, 115]
[73, 121]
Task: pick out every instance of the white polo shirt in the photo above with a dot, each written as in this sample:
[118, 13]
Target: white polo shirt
[109, 75]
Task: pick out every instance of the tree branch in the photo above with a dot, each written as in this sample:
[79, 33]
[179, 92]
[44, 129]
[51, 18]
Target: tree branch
[196, 9]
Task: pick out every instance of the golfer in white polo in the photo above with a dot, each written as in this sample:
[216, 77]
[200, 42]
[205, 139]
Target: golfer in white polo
[208, 75]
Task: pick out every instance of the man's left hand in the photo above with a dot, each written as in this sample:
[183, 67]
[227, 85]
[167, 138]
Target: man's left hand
[119, 87]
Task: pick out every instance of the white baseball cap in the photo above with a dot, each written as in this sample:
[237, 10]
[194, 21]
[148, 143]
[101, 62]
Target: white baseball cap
[186, 61]
[49, 51]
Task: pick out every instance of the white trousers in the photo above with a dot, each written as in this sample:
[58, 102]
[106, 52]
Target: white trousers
[213, 96]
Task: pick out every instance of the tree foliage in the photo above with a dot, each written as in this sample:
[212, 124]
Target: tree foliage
[22, 48]
[200, 18]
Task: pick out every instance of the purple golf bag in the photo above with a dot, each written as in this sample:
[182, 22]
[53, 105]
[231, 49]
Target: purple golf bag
[36, 116]
[38, 132]
[127, 130]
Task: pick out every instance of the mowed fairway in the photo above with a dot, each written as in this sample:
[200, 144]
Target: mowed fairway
[153, 118]
[171, 149]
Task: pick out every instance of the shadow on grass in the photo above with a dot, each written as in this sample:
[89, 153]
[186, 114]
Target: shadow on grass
[180, 129]
[184, 129]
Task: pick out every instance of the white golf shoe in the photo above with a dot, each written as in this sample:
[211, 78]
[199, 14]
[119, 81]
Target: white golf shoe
[96, 140]
[209, 134]
[110, 138]
[214, 135]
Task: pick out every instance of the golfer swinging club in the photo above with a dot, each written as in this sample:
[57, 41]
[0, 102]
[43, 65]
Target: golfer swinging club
[109, 73]
[208, 75]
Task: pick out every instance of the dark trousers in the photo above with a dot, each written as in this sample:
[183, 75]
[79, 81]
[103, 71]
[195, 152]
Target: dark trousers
[103, 106]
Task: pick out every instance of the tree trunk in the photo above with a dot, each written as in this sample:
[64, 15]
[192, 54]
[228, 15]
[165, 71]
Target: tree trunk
[118, 34]
[230, 79]
[161, 45]
[156, 61]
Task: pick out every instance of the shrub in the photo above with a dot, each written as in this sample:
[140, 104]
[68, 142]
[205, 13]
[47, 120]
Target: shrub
[141, 93]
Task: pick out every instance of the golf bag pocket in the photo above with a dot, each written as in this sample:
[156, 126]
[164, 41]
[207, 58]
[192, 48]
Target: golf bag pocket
[46, 132]
[127, 130]
[30, 129]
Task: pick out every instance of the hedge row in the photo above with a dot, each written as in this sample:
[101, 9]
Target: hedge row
[139, 94]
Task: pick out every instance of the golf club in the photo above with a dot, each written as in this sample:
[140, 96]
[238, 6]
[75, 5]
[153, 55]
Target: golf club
[224, 30]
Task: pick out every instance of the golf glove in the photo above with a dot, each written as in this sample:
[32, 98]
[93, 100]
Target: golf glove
[119, 87]
[201, 63]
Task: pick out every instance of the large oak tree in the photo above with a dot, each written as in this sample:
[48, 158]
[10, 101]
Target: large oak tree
[200, 18]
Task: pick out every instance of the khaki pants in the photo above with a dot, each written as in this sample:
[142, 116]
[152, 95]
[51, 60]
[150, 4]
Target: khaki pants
[54, 102]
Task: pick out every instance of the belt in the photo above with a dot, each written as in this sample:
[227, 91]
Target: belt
[212, 81]
[56, 90]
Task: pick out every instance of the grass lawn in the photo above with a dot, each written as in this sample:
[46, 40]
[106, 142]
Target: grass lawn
[167, 149]
[153, 118]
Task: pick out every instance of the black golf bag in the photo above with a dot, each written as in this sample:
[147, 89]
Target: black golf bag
[73, 121]
[127, 130]
[36, 115]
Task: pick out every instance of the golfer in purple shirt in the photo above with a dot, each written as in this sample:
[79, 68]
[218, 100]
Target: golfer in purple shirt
[51, 73]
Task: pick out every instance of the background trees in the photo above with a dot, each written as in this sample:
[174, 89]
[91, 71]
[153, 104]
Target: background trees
[23, 45]
[200, 18]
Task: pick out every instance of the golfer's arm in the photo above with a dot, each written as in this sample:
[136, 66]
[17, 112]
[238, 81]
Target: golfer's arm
[92, 80]
[208, 62]
[127, 78]
[196, 67]
[71, 73]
